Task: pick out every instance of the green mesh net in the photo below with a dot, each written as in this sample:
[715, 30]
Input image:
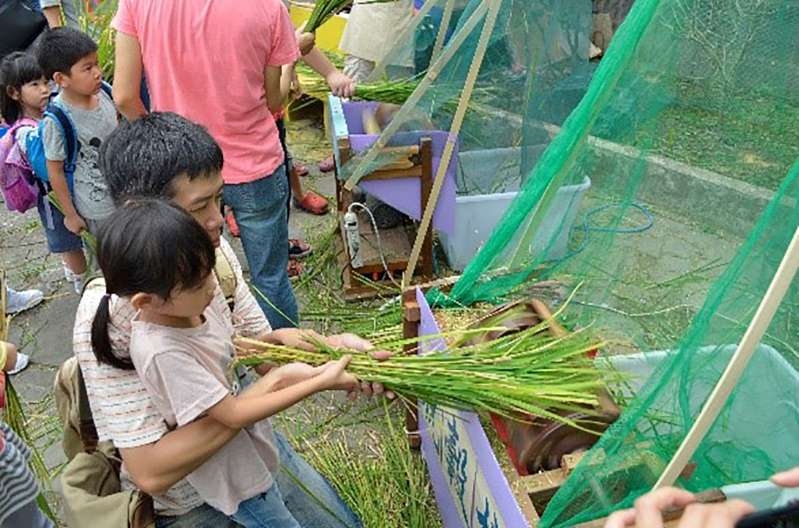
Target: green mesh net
[661, 187]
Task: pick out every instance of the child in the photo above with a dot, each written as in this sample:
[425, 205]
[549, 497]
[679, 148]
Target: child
[17, 483]
[161, 260]
[24, 94]
[69, 58]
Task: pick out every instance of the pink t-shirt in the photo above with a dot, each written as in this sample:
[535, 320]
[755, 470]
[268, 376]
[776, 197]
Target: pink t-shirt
[206, 60]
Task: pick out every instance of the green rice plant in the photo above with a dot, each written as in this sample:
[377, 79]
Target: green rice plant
[383, 482]
[89, 239]
[325, 9]
[522, 374]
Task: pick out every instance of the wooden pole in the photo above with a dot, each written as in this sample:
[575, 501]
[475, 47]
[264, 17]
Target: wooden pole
[442, 30]
[457, 122]
[760, 323]
[404, 113]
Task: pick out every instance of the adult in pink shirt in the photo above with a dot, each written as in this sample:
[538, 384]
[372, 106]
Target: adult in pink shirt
[218, 63]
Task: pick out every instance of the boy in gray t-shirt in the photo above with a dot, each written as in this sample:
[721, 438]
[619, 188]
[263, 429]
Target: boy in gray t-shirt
[69, 57]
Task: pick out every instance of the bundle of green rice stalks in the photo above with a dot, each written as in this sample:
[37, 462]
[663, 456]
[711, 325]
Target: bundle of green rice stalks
[526, 373]
[325, 9]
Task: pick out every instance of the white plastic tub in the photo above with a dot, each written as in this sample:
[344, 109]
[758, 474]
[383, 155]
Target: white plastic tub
[476, 215]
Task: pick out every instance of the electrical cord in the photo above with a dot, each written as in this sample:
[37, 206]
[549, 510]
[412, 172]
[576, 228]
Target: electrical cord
[377, 236]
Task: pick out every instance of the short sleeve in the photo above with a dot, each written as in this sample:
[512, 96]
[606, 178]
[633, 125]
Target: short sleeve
[123, 20]
[183, 384]
[283, 49]
[21, 137]
[53, 140]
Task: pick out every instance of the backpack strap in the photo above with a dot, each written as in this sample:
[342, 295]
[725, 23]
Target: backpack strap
[70, 134]
[226, 278]
[88, 431]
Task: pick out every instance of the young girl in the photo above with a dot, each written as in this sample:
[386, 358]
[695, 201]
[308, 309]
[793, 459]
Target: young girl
[161, 260]
[18, 488]
[24, 95]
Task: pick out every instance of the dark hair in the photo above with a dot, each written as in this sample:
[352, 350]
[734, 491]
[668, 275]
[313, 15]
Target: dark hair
[61, 48]
[16, 70]
[148, 246]
[143, 158]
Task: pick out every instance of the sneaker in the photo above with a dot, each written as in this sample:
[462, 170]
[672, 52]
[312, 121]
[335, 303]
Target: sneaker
[23, 360]
[19, 301]
[299, 249]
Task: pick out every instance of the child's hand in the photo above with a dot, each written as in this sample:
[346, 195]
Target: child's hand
[75, 223]
[295, 372]
[340, 84]
[334, 376]
[306, 41]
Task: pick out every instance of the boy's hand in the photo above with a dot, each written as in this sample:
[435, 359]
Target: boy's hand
[294, 373]
[75, 223]
[340, 84]
[333, 376]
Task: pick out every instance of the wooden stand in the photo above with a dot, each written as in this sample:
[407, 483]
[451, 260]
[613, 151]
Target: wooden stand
[415, 161]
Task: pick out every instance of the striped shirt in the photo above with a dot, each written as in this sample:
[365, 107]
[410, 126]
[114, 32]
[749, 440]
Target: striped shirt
[18, 486]
[122, 410]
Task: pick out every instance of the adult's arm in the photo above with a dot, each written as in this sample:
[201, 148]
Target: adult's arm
[157, 467]
[128, 68]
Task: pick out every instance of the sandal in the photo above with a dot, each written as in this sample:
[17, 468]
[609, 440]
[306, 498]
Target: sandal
[230, 220]
[312, 203]
[301, 168]
[294, 269]
[327, 164]
[299, 248]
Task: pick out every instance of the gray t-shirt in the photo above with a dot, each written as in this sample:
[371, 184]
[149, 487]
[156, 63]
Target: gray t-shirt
[91, 197]
[69, 7]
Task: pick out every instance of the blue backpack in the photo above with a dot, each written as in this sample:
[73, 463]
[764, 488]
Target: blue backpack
[35, 143]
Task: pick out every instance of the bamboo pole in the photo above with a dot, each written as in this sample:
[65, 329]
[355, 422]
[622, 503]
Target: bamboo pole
[442, 30]
[404, 113]
[457, 122]
[760, 323]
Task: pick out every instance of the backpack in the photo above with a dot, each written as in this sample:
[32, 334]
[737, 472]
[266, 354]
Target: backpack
[17, 183]
[35, 143]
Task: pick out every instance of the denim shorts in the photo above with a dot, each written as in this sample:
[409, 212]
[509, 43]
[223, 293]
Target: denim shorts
[59, 238]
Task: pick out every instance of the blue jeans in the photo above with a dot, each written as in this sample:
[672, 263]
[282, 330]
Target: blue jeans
[309, 497]
[266, 510]
[260, 211]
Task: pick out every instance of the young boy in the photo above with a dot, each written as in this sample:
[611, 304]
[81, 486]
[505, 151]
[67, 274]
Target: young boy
[69, 58]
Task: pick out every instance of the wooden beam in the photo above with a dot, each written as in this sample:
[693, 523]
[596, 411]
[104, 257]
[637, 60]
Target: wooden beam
[457, 121]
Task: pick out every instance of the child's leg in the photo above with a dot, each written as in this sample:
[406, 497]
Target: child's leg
[29, 516]
[75, 261]
[266, 510]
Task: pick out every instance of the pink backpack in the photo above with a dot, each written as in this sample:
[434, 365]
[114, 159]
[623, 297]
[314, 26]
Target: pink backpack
[17, 183]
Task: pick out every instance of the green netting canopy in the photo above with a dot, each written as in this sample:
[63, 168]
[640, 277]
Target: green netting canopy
[666, 199]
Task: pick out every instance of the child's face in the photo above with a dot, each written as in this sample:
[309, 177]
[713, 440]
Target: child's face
[201, 198]
[85, 77]
[33, 97]
[189, 302]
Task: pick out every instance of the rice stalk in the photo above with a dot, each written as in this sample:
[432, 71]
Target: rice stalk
[527, 373]
[387, 486]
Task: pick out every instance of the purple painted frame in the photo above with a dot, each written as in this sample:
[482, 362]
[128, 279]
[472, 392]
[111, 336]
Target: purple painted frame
[509, 510]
